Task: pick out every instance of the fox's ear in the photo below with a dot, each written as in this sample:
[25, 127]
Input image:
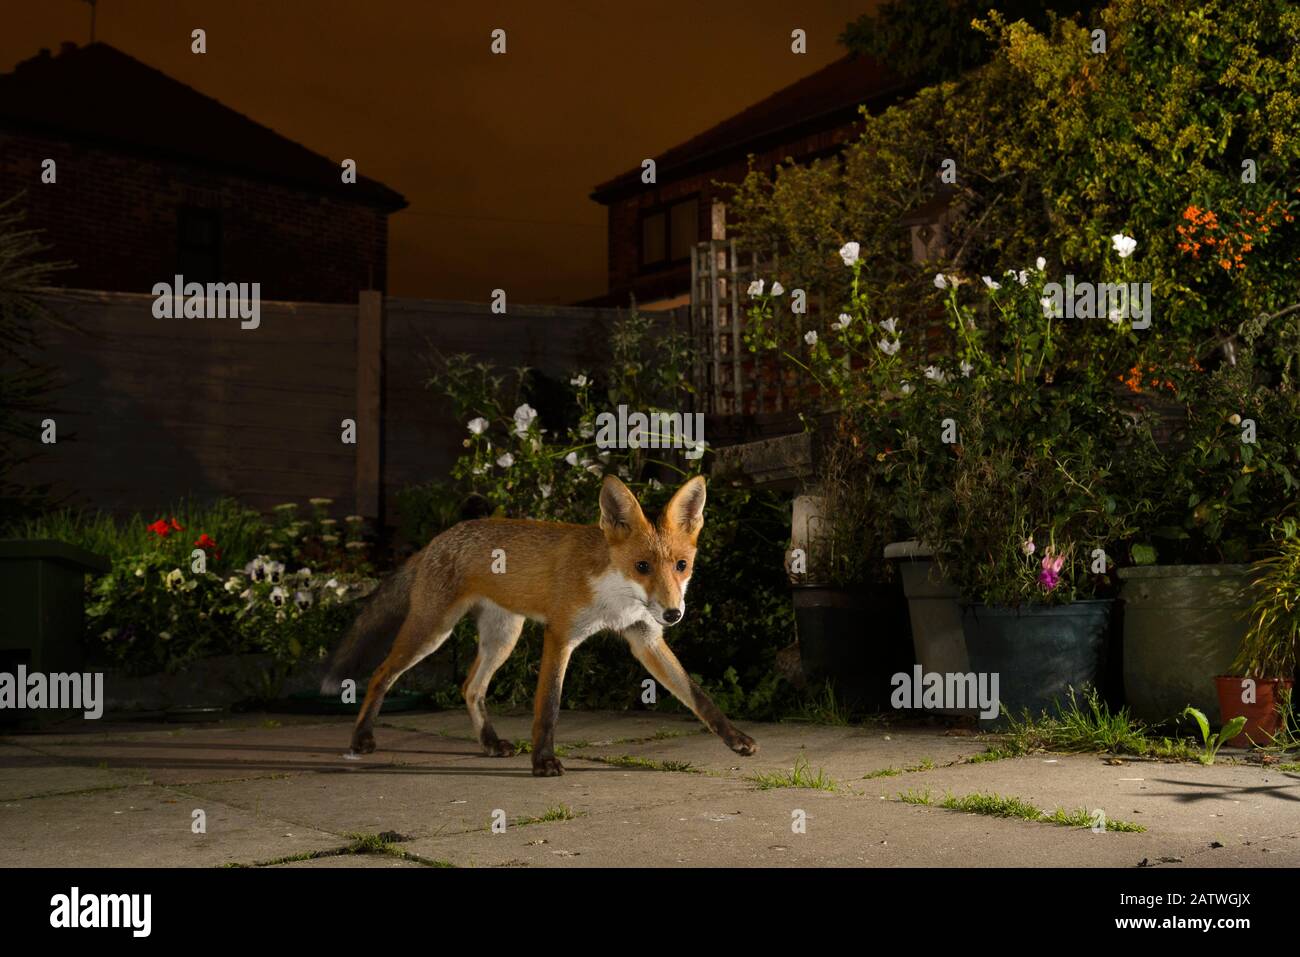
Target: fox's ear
[619, 510]
[685, 510]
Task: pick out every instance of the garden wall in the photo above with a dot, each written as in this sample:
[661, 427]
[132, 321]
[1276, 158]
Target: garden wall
[150, 410]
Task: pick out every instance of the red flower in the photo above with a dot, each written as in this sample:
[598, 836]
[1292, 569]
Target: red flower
[176, 526]
[161, 528]
[206, 543]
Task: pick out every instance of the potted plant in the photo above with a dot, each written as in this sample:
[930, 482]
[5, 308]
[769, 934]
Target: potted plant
[1264, 670]
[1007, 474]
[1213, 491]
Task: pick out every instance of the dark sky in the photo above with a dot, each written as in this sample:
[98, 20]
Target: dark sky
[496, 154]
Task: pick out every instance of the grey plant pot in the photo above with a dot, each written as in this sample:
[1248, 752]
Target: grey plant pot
[1183, 625]
[937, 636]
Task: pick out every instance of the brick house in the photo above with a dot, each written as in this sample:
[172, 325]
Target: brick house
[653, 227]
[152, 178]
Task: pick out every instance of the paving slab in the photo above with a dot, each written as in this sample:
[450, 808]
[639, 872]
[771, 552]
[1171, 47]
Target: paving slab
[25, 773]
[843, 753]
[754, 829]
[144, 826]
[219, 754]
[457, 795]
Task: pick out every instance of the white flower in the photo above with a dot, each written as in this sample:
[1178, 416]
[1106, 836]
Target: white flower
[905, 388]
[843, 321]
[934, 373]
[332, 583]
[1041, 263]
[887, 347]
[1022, 277]
[1028, 546]
[139, 573]
[477, 426]
[849, 253]
[625, 473]
[586, 430]
[545, 490]
[1124, 245]
[233, 583]
[506, 461]
[992, 283]
[524, 416]
[756, 287]
[777, 289]
[275, 570]
[890, 325]
[174, 578]
[579, 381]
[966, 368]
[656, 484]
[278, 596]
[572, 458]
[302, 599]
[1116, 314]
[256, 569]
[810, 337]
[595, 469]
[940, 281]
[341, 590]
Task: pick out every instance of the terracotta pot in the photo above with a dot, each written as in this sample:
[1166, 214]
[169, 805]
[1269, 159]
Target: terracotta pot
[1261, 717]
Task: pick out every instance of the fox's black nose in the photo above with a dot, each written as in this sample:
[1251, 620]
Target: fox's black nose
[672, 614]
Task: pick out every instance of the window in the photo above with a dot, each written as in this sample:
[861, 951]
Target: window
[198, 255]
[668, 233]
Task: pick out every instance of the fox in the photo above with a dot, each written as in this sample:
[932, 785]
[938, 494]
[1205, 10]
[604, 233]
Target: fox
[625, 574]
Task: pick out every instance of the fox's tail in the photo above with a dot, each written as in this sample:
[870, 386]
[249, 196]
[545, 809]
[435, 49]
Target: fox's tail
[372, 633]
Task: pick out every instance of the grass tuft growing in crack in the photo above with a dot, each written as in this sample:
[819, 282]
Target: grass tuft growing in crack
[798, 777]
[995, 805]
[1090, 725]
[558, 812]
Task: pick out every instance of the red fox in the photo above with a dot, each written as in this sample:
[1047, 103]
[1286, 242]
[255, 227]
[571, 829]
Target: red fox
[625, 574]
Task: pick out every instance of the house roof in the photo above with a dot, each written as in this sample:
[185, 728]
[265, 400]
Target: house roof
[827, 98]
[99, 94]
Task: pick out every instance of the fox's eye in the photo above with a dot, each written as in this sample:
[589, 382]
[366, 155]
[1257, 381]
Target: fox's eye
[681, 564]
[643, 567]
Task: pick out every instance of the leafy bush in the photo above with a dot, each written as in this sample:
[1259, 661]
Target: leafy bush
[216, 580]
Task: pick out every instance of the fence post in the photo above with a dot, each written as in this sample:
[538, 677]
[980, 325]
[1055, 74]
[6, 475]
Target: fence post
[370, 405]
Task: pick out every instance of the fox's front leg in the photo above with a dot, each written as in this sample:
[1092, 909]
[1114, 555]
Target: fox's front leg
[647, 643]
[556, 650]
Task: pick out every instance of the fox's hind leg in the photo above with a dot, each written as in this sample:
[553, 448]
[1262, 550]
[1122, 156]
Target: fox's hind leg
[426, 627]
[498, 631]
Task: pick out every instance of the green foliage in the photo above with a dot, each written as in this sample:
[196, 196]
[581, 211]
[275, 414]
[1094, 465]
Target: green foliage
[1213, 742]
[1269, 647]
[283, 586]
[1087, 726]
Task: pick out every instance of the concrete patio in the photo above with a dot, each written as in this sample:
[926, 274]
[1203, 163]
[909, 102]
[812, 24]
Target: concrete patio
[640, 790]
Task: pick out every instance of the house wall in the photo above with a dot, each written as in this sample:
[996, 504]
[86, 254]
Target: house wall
[114, 217]
[624, 216]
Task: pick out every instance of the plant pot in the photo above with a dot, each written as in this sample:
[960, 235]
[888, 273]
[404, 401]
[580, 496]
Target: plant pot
[857, 640]
[938, 642]
[1262, 719]
[1038, 652]
[1183, 626]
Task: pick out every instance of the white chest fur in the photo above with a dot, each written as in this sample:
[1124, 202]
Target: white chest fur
[616, 603]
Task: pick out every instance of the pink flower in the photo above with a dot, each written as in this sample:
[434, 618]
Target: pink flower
[1050, 574]
[1028, 546]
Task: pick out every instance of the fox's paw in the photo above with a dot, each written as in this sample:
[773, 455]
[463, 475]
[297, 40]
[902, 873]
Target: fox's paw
[363, 742]
[547, 767]
[499, 748]
[742, 743]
